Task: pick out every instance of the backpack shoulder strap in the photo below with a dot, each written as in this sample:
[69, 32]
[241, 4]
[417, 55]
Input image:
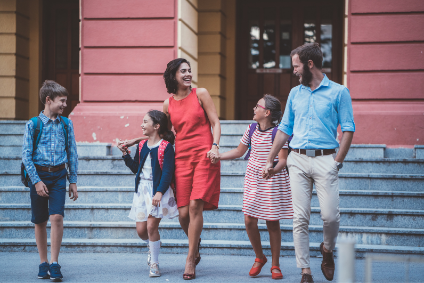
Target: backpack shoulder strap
[274, 133]
[161, 152]
[140, 146]
[65, 122]
[38, 125]
[252, 130]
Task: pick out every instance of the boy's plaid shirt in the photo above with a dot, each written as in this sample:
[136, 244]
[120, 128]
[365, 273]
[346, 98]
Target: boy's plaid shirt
[51, 148]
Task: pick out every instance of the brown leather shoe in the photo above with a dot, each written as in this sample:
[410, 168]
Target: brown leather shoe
[306, 278]
[327, 265]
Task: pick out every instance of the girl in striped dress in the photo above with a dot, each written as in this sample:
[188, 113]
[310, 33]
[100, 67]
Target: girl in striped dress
[267, 199]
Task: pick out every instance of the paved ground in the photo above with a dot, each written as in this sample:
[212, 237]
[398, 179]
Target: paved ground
[127, 267]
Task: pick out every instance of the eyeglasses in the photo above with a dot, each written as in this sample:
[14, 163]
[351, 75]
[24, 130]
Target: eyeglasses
[259, 106]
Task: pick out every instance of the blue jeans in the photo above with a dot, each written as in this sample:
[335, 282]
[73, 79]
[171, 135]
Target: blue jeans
[43, 207]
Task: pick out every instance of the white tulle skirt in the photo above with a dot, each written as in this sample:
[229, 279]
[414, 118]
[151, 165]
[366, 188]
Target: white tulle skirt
[142, 203]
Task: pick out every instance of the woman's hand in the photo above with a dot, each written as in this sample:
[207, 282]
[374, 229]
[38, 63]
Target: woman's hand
[128, 143]
[122, 147]
[156, 199]
[213, 154]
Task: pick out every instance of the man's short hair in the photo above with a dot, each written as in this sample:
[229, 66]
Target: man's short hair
[51, 89]
[309, 51]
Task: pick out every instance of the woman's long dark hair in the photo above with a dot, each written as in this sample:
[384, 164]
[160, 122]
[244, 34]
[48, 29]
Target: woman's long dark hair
[169, 74]
[273, 105]
[158, 117]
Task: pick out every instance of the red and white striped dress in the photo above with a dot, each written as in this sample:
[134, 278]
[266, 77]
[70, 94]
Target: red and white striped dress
[265, 199]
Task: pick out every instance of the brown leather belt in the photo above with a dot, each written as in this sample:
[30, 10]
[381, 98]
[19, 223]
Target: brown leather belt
[313, 152]
[50, 169]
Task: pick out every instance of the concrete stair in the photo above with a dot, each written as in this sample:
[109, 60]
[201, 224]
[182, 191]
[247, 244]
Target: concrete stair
[381, 202]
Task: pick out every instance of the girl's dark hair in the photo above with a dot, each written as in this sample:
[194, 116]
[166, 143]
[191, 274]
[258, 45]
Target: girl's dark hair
[158, 117]
[169, 74]
[273, 105]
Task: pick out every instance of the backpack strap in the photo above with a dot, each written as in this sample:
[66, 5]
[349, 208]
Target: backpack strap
[274, 133]
[140, 146]
[161, 152]
[38, 125]
[65, 122]
[251, 131]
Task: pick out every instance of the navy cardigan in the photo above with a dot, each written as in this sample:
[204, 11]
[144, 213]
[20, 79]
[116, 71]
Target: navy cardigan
[161, 178]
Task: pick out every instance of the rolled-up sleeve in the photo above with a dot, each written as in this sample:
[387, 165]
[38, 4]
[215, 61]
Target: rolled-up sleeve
[72, 155]
[286, 124]
[27, 149]
[345, 111]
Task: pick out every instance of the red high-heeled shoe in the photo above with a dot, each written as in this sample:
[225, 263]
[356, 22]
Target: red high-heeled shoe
[256, 270]
[276, 275]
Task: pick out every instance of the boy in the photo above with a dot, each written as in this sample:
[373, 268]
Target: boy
[45, 164]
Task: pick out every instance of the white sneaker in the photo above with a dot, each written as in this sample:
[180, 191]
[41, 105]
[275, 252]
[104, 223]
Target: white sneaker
[154, 270]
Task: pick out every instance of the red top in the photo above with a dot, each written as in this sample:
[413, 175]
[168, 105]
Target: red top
[192, 127]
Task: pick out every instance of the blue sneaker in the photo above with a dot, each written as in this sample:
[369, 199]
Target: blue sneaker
[43, 271]
[55, 274]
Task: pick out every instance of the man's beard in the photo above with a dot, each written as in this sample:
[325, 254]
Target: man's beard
[306, 76]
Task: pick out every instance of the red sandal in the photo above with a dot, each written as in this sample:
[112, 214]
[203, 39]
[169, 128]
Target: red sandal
[256, 270]
[276, 275]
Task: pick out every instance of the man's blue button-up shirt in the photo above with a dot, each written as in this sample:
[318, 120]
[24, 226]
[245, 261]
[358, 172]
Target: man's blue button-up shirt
[51, 148]
[313, 116]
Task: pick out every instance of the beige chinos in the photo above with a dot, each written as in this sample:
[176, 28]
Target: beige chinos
[304, 172]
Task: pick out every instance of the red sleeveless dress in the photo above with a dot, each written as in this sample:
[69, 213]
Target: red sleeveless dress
[195, 176]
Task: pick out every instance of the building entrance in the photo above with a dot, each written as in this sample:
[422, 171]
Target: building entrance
[61, 47]
[268, 31]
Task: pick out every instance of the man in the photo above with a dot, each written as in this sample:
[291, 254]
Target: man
[313, 112]
[45, 163]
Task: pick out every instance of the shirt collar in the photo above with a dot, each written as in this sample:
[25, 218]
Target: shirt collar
[325, 82]
[46, 119]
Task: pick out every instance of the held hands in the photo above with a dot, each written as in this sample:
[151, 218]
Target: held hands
[156, 199]
[123, 146]
[73, 194]
[268, 171]
[213, 155]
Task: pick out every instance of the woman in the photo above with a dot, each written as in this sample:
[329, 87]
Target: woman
[197, 169]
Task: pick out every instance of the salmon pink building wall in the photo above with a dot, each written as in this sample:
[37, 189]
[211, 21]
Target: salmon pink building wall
[386, 71]
[125, 46]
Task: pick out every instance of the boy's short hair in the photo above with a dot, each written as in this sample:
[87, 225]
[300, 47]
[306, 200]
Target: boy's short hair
[51, 89]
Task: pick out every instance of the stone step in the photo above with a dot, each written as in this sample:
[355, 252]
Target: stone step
[227, 126]
[347, 181]
[233, 196]
[11, 139]
[211, 231]
[234, 127]
[12, 152]
[360, 217]
[370, 166]
[348, 199]
[218, 247]
[12, 126]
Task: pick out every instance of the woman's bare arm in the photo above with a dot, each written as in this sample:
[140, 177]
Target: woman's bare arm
[165, 110]
[207, 103]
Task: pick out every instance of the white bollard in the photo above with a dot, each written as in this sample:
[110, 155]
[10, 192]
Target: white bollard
[346, 261]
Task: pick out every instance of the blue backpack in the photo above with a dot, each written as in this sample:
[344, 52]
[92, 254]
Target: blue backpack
[38, 125]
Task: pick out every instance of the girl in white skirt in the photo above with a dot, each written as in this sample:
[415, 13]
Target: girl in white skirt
[266, 199]
[154, 198]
